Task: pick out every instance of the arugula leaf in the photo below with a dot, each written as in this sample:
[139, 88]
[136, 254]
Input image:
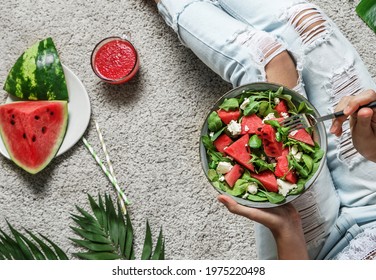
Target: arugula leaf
[208, 143]
[273, 123]
[251, 108]
[217, 134]
[214, 122]
[230, 104]
[300, 169]
[261, 165]
[239, 188]
[304, 147]
[213, 175]
[255, 142]
[304, 108]
[275, 198]
[308, 161]
[257, 197]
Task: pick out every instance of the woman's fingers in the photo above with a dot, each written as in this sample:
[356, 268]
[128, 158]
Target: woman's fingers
[349, 105]
[355, 102]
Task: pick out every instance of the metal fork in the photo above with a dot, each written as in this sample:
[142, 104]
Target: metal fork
[307, 120]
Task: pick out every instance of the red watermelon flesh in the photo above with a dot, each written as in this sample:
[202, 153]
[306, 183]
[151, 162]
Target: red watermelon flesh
[282, 168]
[33, 131]
[281, 107]
[228, 116]
[239, 150]
[250, 124]
[302, 135]
[267, 179]
[222, 142]
[272, 147]
[233, 175]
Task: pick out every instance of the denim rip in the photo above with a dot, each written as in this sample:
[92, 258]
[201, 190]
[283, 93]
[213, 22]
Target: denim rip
[345, 82]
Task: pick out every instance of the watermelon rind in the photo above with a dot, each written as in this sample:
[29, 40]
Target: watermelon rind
[38, 74]
[6, 112]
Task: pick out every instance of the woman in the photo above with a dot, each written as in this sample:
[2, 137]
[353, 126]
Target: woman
[295, 44]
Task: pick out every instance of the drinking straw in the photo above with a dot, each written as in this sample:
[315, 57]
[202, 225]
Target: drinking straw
[104, 148]
[122, 197]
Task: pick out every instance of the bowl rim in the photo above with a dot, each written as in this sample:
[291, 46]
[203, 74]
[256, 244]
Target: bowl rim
[265, 86]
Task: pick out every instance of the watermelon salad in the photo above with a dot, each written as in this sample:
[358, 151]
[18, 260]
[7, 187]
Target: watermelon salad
[251, 155]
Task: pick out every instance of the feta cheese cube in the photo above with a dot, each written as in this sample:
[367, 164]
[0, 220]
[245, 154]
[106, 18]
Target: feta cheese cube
[223, 167]
[252, 188]
[284, 187]
[234, 128]
[269, 117]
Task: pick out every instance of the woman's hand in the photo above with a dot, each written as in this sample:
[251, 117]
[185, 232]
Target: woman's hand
[362, 122]
[283, 221]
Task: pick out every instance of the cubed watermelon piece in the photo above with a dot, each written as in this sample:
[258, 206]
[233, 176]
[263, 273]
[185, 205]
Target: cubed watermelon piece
[282, 168]
[239, 151]
[250, 124]
[272, 147]
[302, 135]
[233, 175]
[222, 142]
[281, 107]
[267, 179]
[228, 116]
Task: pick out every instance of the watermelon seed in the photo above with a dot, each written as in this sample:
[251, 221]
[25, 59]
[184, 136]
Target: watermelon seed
[13, 116]
[36, 117]
[51, 113]
[44, 129]
[24, 135]
[34, 138]
[12, 122]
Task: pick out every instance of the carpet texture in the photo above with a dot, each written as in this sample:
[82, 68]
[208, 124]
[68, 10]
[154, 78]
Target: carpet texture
[151, 126]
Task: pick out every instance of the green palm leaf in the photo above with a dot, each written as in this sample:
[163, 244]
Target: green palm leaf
[21, 247]
[107, 235]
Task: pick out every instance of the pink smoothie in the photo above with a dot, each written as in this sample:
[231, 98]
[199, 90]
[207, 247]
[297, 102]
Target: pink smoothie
[116, 61]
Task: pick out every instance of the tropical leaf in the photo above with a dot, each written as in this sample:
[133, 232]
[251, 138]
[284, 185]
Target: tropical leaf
[366, 10]
[21, 247]
[107, 235]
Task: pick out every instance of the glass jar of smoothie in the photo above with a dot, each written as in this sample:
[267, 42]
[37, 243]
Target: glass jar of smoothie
[115, 60]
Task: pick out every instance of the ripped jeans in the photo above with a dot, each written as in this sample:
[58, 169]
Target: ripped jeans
[237, 39]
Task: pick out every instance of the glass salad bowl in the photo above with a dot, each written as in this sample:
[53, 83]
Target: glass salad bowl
[247, 154]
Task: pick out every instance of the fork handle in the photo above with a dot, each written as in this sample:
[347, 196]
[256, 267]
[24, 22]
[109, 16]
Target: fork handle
[369, 105]
[340, 113]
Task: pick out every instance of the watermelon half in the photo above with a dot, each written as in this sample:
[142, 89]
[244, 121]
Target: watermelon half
[33, 131]
[38, 74]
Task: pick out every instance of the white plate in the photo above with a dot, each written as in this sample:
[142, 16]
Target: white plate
[79, 113]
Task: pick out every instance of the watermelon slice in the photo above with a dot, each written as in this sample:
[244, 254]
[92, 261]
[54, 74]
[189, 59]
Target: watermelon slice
[282, 168]
[38, 74]
[267, 179]
[302, 135]
[222, 142]
[228, 116]
[272, 147]
[281, 107]
[240, 152]
[250, 124]
[33, 131]
[233, 175]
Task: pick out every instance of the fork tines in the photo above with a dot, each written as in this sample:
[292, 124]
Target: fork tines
[296, 122]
